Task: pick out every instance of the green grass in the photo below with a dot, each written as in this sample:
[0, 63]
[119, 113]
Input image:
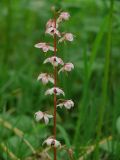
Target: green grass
[92, 128]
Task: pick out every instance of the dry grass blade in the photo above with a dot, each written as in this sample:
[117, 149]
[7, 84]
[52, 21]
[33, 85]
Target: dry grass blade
[40, 156]
[18, 132]
[92, 147]
[5, 149]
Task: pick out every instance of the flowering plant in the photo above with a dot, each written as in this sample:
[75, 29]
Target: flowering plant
[52, 29]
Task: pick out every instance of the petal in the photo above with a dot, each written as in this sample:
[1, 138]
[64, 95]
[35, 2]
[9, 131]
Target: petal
[44, 80]
[51, 48]
[69, 104]
[45, 49]
[52, 91]
[46, 60]
[51, 80]
[43, 77]
[39, 77]
[63, 16]
[57, 33]
[55, 64]
[70, 64]
[69, 37]
[59, 91]
[49, 30]
[61, 70]
[61, 61]
[46, 119]
[48, 141]
[48, 115]
[38, 116]
[55, 61]
[57, 144]
[63, 93]
[52, 142]
[49, 91]
[50, 23]
[68, 107]
[61, 39]
[60, 105]
[40, 45]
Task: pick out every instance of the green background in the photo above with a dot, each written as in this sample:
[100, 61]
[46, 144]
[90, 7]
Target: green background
[94, 84]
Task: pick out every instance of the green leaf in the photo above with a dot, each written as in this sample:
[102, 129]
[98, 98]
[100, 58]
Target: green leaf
[118, 124]
[64, 135]
[109, 146]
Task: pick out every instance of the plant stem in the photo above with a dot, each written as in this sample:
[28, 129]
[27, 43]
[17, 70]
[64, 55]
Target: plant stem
[55, 98]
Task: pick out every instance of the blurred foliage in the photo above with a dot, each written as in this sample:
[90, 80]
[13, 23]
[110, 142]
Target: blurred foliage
[23, 25]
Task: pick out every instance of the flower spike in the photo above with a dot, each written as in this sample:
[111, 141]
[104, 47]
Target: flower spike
[52, 29]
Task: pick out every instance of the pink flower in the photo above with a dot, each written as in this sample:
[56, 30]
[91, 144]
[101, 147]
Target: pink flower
[42, 115]
[53, 31]
[52, 142]
[67, 37]
[45, 78]
[54, 90]
[67, 67]
[51, 23]
[63, 16]
[55, 61]
[67, 104]
[44, 46]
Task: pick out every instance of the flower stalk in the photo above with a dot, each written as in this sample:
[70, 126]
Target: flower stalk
[55, 84]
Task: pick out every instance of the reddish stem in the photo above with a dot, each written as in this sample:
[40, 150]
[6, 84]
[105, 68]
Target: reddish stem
[55, 98]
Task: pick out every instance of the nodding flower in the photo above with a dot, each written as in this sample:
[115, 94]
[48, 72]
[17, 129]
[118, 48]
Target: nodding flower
[53, 31]
[51, 23]
[45, 78]
[52, 142]
[44, 46]
[68, 104]
[63, 16]
[67, 67]
[55, 61]
[42, 115]
[67, 37]
[54, 90]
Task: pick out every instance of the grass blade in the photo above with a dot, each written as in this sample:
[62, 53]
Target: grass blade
[105, 79]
